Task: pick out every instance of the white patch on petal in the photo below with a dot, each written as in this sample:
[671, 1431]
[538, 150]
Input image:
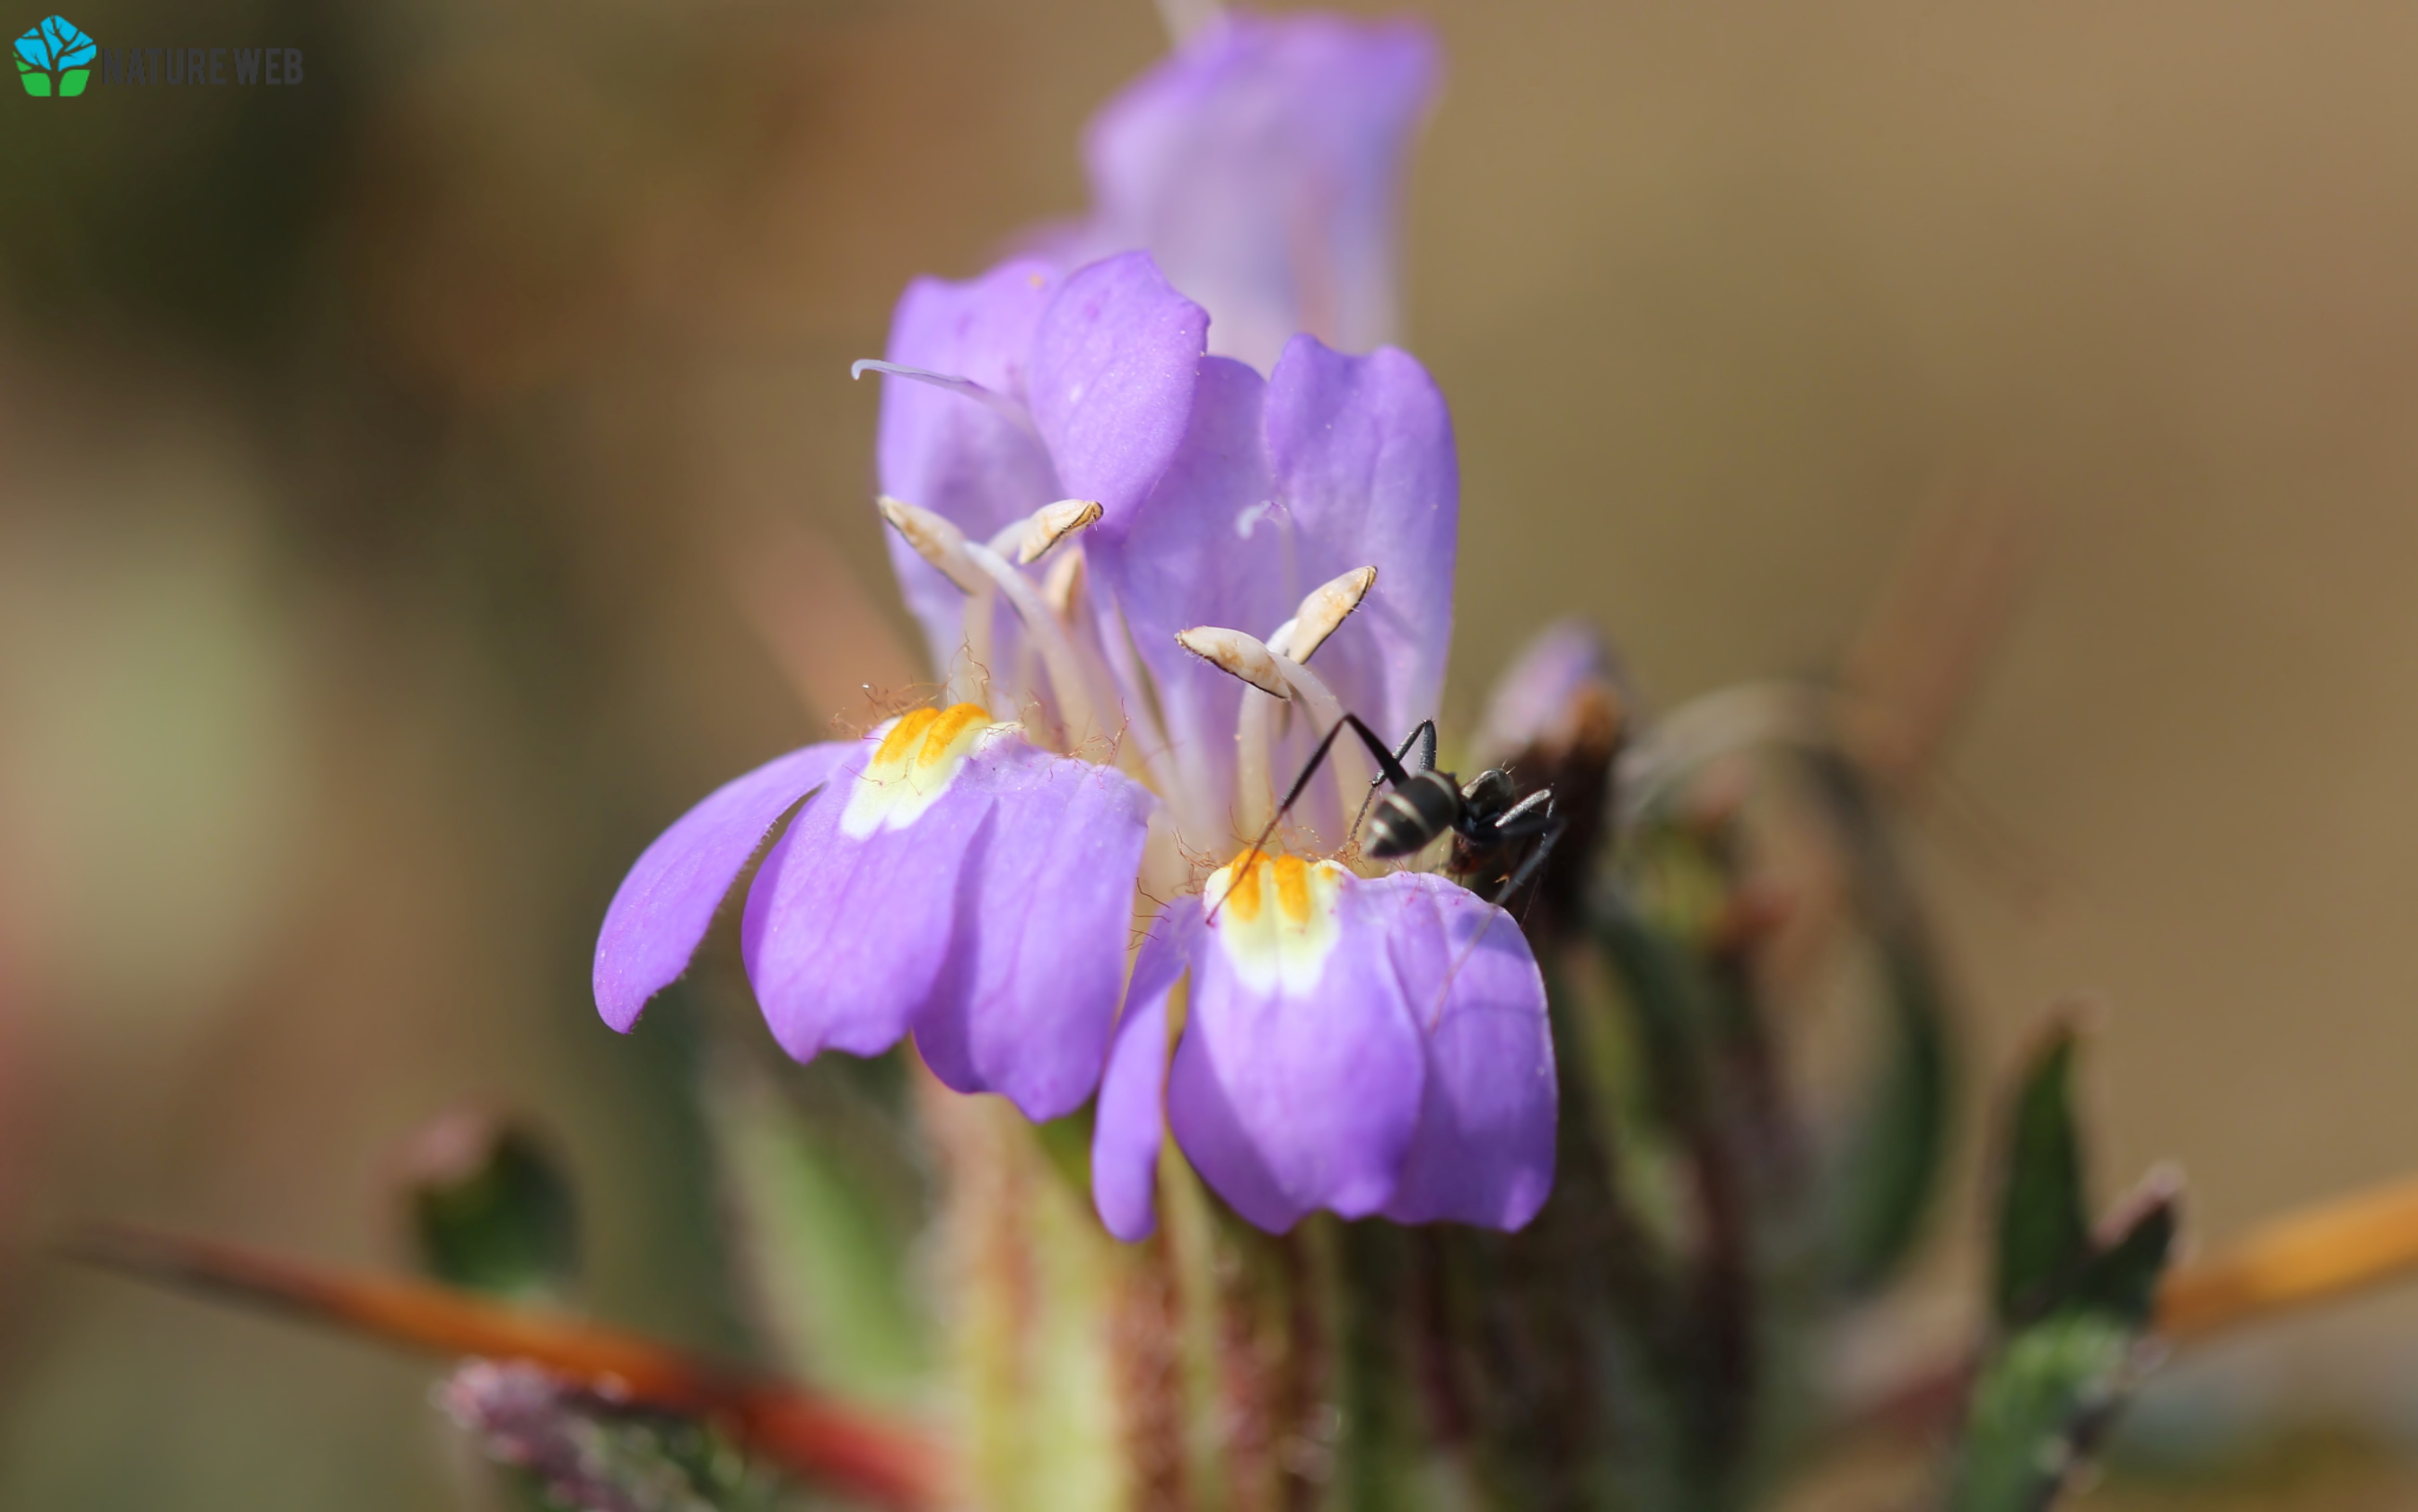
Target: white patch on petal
[920, 754]
[1276, 920]
[1248, 520]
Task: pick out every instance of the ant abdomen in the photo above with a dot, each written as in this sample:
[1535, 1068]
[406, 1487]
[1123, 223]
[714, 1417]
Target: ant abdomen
[1413, 814]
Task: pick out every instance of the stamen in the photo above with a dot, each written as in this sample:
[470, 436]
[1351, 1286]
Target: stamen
[936, 539]
[1243, 656]
[1068, 677]
[1062, 586]
[1322, 613]
[1029, 539]
[971, 680]
[1283, 679]
[1111, 640]
[991, 399]
[1347, 763]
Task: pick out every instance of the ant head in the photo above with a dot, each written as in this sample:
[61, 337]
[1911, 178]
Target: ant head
[1491, 791]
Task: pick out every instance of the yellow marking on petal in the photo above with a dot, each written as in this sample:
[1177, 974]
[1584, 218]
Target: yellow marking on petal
[1240, 891]
[1277, 919]
[918, 759]
[1292, 889]
[904, 737]
[942, 742]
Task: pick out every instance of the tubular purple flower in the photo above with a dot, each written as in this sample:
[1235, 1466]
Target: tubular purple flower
[1261, 165]
[1102, 527]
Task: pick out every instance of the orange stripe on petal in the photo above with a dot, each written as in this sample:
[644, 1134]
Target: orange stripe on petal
[1293, 888]
[948, 731]
[904, 737]
[1277, 921]
[914, 764]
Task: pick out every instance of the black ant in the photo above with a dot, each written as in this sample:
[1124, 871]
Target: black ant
[1483, 814]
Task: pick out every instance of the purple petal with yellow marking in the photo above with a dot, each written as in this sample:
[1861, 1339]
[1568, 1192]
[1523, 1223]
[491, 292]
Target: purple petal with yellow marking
[667, 902]
[1484, 1150]
[1131, 1121]
[1298, 1082]
[845, 937]
[966, 887]
[1026, 1003]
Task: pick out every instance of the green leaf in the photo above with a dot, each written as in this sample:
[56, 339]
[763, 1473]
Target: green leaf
[1886, 1177]
[2043, 1213]
[2073, 1307]
[2036, 1410]
[1887, 1171]
[2121, 1280]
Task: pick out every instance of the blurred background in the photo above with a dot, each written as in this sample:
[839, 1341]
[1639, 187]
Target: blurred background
[419, 484]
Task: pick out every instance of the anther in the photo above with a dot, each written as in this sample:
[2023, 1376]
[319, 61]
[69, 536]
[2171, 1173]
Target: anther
[937, 541]
[1322, 613]
[1243, 656]
[1047, 525]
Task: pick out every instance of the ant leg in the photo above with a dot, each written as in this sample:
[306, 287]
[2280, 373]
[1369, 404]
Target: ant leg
[1391, 768]
[1427, 763]
[1532, 814]
[1535, 863]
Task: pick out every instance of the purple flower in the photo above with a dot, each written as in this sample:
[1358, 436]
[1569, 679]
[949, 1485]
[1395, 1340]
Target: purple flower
[1365, 1045]
[1126, 553]
[1225, 499]
[858, 930]
[1261, 165]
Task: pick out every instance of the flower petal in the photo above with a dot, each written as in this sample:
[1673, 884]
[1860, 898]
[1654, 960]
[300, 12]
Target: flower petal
[1366, 474]
[1131, 1120]
[844, 936]
[1298, 1082]
[1028, 998]
[1186, 557]
[1484, 1150]
[667, 902]
[953, 455]
[852, 914]
[1110, 385]
[1261, 165]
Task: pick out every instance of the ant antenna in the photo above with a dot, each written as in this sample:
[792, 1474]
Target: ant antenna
[1389, 771]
